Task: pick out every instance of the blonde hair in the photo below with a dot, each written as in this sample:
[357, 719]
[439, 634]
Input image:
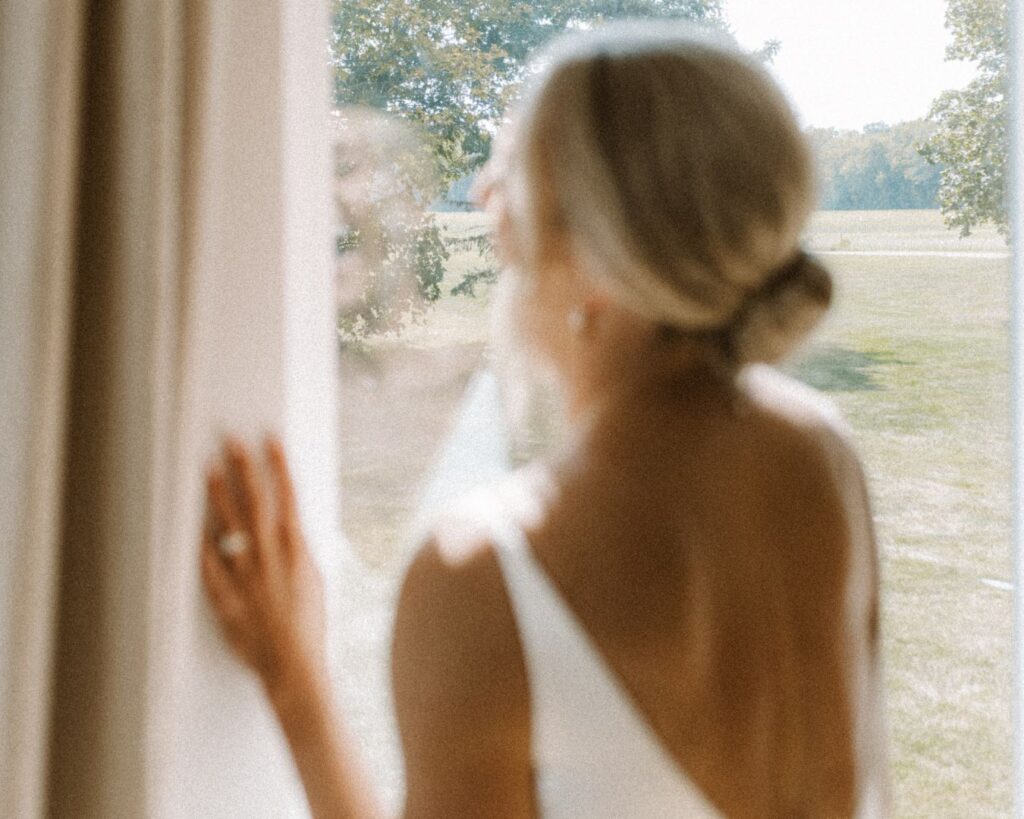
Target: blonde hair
[676, 170]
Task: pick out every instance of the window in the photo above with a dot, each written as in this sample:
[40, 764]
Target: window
[915, 352]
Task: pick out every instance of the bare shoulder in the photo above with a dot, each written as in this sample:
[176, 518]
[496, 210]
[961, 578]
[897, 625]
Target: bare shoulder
[837, 477]
[455, 576]
[806, 412]
[453, 604]
[803, 405]
[459, 679]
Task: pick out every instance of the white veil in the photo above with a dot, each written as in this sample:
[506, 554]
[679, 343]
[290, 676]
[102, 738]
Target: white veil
[475, 453]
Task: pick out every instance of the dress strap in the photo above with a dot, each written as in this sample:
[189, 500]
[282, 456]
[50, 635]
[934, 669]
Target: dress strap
[580, 708]
[538, 608]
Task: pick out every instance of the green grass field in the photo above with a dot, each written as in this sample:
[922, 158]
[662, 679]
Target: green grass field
[916, 355]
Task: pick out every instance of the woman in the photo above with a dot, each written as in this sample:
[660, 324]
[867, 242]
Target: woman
[678, 614]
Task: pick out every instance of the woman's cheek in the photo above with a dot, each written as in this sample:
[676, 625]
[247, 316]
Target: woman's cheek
[503, 240]
[516, 311]
[546, 319]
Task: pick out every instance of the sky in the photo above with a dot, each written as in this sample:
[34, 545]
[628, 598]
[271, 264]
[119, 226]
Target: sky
[845, 63]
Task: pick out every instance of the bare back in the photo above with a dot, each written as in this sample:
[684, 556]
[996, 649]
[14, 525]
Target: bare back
[705, 537]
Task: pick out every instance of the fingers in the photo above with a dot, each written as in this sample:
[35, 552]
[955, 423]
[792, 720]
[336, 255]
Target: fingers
[219, 585]
[289, 531]
[224, 507]
[282, 479]
[238, 501]
[221, 501]
[250, 493]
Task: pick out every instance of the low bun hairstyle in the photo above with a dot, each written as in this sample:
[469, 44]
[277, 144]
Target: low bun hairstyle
[779, 314]
[676, 171]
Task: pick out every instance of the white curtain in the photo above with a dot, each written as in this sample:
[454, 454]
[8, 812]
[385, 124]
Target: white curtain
[165, 276]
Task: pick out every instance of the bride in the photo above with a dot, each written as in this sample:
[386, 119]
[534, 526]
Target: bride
[677, 615]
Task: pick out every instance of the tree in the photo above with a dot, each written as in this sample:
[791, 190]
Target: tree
[452, 66]
[448, 68]
[879, 168]
[971, 139]
[390, 255]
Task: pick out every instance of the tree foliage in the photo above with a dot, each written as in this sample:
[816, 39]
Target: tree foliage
[879, 168]
[449, 68]
[452, 66]
[390, 253]
[971, 138]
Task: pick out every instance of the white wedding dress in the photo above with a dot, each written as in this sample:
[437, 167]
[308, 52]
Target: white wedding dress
[594, 753]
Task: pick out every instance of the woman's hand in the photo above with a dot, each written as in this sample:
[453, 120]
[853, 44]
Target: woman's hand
[261, 580]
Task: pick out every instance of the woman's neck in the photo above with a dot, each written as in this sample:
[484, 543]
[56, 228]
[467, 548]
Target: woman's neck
[619, 373]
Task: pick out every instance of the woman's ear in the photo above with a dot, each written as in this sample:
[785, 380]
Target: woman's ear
[587, 308]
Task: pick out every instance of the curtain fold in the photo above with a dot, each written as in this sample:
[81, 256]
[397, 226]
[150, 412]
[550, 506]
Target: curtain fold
[165, 253]
[40, 67]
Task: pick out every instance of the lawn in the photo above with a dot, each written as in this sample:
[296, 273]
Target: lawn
[916, 355]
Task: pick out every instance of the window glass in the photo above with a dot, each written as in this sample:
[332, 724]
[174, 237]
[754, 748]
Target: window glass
[915, 352]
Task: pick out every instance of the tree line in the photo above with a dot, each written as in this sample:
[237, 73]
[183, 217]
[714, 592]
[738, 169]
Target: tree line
[880, 167]
[448, 69]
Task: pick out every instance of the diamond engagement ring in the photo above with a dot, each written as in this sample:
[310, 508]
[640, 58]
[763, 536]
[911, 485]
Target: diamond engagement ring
[232, 544]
